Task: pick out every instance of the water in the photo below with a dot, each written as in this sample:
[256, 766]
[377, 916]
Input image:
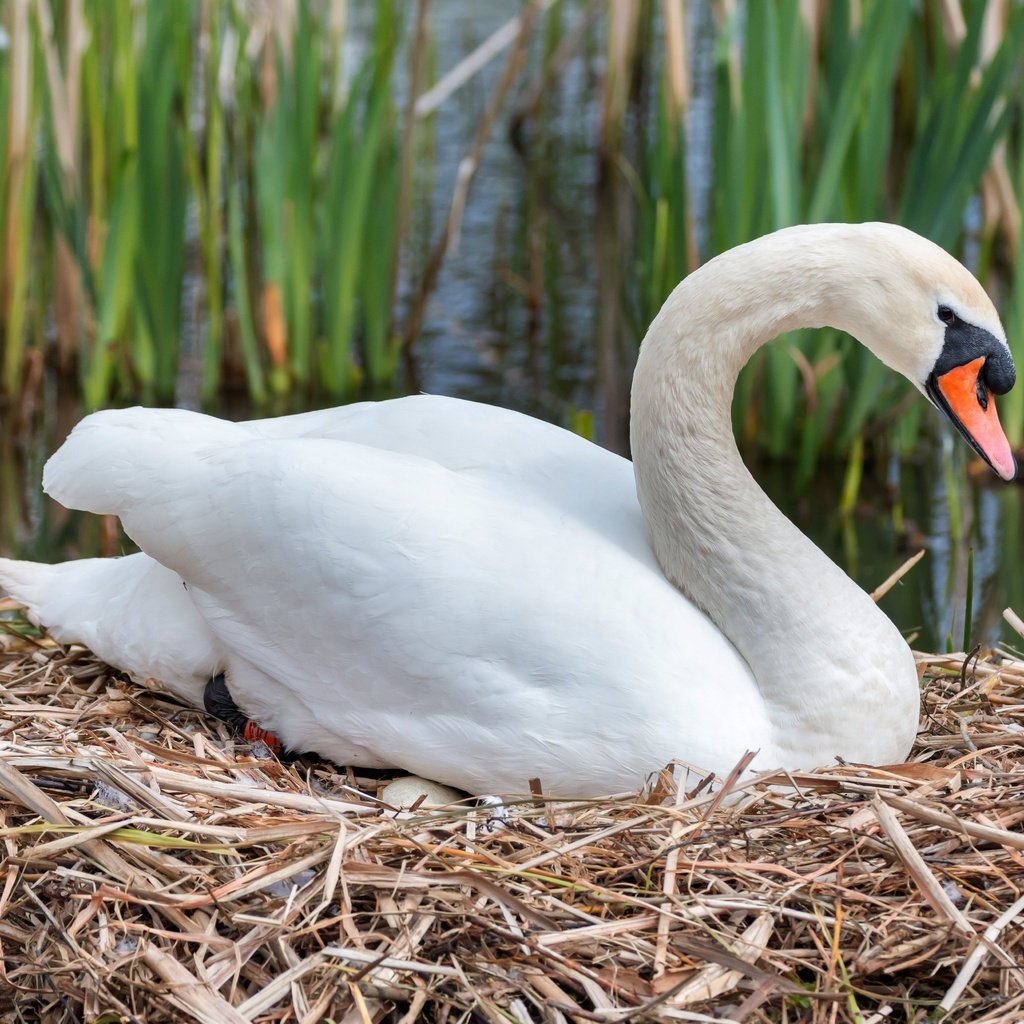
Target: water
[929, 605]
[528, 315]
[530, 214]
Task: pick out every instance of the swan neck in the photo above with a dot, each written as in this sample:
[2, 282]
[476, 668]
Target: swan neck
[800, 623]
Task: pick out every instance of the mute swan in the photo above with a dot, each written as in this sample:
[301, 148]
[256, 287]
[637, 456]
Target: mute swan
[475, 596]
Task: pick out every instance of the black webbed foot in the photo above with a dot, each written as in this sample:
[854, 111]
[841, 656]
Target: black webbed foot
[218, 702]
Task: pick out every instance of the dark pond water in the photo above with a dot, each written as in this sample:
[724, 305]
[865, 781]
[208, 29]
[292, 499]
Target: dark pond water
[525, 316]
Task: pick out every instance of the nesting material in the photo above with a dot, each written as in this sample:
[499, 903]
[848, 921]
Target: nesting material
[154, 870]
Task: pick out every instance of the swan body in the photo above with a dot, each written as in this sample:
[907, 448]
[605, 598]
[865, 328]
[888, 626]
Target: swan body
[483, 598]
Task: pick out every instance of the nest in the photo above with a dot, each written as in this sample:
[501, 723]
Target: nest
[154, 868]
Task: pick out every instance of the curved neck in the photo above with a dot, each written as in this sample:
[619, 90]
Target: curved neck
[811, 636]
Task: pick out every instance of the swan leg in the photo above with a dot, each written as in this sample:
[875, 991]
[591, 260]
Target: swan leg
[218, 702]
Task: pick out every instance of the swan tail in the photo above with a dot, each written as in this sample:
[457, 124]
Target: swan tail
[112, 459]
[131, 611]
[28, 583]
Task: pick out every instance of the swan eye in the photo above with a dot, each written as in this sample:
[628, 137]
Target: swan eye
[947, 316]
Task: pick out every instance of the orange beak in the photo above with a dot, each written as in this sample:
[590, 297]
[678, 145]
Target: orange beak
[971, 406]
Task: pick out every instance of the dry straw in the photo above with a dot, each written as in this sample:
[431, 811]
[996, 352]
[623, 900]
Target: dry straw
[153, 869]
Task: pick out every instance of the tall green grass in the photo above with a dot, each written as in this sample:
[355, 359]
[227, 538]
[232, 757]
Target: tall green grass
[216, 144]
[228, 164]
[873, 115]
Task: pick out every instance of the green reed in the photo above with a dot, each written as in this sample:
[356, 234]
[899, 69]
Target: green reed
[208, 143]
[163, 164]
[19, 103]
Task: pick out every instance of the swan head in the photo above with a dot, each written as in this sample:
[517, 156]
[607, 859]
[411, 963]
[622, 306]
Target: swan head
[919, 310]
[973, 366]
[925, 315]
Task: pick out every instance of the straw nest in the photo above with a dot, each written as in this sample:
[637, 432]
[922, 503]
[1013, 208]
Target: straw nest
[157, 869]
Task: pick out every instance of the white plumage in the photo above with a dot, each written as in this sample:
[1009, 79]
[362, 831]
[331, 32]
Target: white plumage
[469, 594]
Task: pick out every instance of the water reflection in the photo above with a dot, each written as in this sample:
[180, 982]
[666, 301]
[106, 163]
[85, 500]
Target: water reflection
[899, 513]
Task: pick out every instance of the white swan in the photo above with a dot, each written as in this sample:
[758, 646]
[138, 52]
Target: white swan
[469, 593]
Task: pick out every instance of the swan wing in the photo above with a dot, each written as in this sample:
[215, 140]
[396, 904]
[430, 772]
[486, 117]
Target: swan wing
[385, 609]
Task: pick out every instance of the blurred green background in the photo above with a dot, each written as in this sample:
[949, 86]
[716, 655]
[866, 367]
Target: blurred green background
[252, 207]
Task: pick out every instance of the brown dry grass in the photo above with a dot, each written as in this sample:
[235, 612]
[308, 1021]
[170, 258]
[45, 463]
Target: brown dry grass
[154, 870]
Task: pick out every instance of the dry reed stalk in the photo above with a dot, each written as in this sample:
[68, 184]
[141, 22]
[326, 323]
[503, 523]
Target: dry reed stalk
[1014, 620]
[623, 40]
[19, 130]
[154, 868]
[64, 90]
[677, 69]
[887, 584]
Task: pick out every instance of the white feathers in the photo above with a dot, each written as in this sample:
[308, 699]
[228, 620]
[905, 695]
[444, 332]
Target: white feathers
[469, 594]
